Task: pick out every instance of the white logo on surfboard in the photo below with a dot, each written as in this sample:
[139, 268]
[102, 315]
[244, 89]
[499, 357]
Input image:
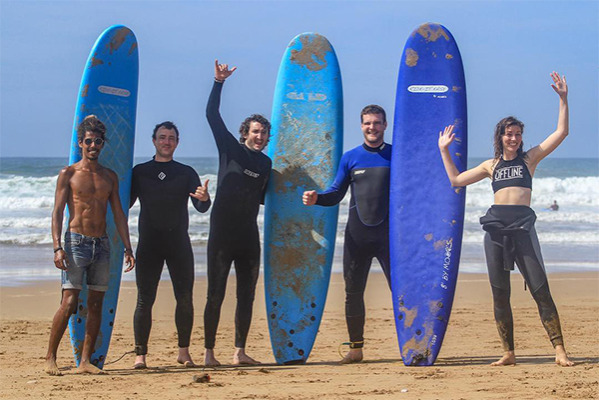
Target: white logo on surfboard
[428, 88]
[308, 96]
[114, 91]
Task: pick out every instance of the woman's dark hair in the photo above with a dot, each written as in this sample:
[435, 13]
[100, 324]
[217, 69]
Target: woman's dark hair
[500, 131]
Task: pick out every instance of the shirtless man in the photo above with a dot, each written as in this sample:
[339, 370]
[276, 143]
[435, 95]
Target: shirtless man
[85, 188]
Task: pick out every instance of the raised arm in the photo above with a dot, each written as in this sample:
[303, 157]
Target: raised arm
[541, 151]
[60, 201]
[120, 221]
[457, 178]
[221, 135]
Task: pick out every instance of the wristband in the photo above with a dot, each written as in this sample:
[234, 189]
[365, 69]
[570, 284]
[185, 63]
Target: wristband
[219, 81]
[57, 249]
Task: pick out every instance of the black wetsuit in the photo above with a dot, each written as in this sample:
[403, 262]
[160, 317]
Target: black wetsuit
[511, 238]
[242, 177]
[163, 190]
[366, 170]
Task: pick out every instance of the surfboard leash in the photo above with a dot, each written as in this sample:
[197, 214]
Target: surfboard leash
[120, 358]
[352, 345]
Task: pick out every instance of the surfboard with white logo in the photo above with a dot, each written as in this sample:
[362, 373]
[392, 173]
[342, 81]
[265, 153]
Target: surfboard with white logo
[305, 148]
[109, 91]
[426, 213]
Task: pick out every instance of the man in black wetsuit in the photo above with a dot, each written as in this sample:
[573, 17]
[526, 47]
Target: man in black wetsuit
[242, 176]
[163, 187]
[366, 169]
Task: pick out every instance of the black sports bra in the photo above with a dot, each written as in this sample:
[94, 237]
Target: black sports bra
[511, 173]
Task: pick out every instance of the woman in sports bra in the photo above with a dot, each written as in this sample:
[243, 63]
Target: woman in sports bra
[509, 223]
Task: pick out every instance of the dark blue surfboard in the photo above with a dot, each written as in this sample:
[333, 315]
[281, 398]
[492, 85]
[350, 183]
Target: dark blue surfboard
[426, 213]
[109, 91]
[305, 147]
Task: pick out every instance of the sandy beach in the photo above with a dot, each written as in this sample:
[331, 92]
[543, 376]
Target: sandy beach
[461, 372]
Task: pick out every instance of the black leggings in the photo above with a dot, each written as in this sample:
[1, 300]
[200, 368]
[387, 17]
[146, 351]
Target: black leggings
[362, 244]
[223, 250]
[530, 264]
[152, 252]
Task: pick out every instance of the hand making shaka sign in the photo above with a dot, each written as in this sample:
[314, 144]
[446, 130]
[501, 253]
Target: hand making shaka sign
[222, 71]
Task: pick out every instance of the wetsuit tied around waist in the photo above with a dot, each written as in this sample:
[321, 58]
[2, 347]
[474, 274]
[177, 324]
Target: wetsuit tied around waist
[163, 190]
[242, 178]
[511, 237]
[366, 170]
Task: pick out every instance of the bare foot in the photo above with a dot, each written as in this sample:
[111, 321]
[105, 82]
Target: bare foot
[352, 356]
[209, 359]
[88, 368]
[509, 358]
[185, 358]
[52, 368]
[240, 358]
[561, 358]
[188, 363]
[140, 362]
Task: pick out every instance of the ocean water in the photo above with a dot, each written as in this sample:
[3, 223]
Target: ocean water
[569, 237]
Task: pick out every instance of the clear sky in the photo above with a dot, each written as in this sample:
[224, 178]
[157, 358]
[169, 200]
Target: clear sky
[508, 49]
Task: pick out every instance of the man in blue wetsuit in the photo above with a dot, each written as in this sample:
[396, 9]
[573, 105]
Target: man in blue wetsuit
[366, 169]
[234, 238]
[164, 187]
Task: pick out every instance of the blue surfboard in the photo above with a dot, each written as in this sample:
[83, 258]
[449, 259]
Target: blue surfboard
[299, 241]
[109, 91]
[426, 213]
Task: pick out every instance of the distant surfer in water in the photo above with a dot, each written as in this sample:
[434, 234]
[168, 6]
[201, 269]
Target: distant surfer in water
[509, 223]
[554, 206]
[164, 188]
[366, 169]
[243, 173]
[86, 188]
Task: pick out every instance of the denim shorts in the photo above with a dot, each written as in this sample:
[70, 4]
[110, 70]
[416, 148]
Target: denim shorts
[89, 256]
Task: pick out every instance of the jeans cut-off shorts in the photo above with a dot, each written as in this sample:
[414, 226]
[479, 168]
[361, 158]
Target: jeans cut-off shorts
[89, 256]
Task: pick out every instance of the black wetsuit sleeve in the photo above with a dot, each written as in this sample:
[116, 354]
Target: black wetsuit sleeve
[224, 139]
[265, 187]
[336, 192]
[195, 181]
[134, 191]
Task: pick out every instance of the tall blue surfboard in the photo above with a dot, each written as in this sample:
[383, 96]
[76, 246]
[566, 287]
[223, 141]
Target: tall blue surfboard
[299, 241]
[109, 91]
[426, 213]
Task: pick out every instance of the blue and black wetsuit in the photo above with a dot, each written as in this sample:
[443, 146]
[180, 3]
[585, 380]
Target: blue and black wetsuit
[242, 177]
[163, 190]
[366, 170]
[511, 238]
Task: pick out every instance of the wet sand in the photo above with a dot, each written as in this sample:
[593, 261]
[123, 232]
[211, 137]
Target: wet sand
[462, 370]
